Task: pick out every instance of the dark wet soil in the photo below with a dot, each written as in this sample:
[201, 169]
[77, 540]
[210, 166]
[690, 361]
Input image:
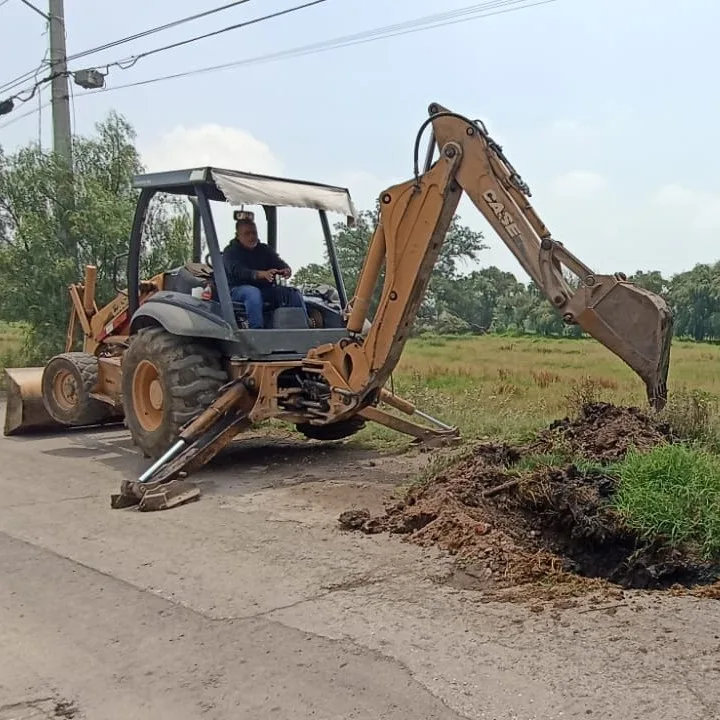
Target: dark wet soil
[510, 525]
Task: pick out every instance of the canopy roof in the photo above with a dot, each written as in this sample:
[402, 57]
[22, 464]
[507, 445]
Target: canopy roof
[243, 188]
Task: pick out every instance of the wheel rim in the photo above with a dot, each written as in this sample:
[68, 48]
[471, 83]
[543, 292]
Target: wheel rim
[65, 389]
[148, 396]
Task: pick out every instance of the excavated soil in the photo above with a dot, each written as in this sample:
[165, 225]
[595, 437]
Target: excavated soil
[548, 527]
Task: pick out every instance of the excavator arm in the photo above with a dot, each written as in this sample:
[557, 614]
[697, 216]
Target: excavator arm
[632, 322]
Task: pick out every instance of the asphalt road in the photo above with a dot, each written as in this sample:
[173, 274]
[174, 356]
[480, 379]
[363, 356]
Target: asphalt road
[251, 603]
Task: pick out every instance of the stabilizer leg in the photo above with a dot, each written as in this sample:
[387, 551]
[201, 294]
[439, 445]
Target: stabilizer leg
[160, 487]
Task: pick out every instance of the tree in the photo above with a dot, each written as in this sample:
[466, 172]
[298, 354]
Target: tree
[314, 274]
[652, 280]
[53, 223]
[475, 297]
[695, 300]
[462, 244]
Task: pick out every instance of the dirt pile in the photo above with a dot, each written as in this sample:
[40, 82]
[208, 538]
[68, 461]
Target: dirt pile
[511, 523]
[603, 432]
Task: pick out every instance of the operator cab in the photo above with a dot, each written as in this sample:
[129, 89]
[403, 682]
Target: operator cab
[195, 298]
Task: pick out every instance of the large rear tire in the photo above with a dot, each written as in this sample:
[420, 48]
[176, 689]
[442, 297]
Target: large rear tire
[67, 381]
[166, 381]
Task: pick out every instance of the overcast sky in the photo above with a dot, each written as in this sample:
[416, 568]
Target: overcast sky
[607, 108]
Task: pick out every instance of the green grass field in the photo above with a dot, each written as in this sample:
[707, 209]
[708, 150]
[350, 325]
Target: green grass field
[504, 387]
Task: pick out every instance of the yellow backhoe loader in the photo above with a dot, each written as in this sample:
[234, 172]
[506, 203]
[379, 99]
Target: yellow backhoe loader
[194, 375]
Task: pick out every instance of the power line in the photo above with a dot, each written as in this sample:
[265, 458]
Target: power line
[21, 79]
[134, 59]
[428, 22]
[10, 85]
[37, 10]
[28, 113]
[156, 29]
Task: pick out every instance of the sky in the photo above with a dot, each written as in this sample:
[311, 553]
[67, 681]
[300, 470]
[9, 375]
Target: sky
[607, 108]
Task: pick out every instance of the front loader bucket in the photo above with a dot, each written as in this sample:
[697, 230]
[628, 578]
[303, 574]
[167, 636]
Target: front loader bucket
[24, 409]
[636, 325]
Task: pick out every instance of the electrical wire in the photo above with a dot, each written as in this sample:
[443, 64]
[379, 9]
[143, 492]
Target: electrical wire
[35, 9]
[28, 113]
[74, 120]
[125, 64]
[22, 79]
[12, 84]
[428, 22]
[39, 114]
[157, 29]
[130, 62]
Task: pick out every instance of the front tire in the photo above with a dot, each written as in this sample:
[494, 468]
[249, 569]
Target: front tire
[166, 381]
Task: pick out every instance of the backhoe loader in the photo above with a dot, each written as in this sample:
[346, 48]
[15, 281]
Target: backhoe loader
[193, 376]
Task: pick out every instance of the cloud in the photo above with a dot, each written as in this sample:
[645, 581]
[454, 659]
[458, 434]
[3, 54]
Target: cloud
[697, 210]
[300, 238]
[210, 144]
[578, 185]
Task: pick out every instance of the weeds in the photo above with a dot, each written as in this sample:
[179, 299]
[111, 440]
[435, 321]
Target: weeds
[544, 378]
[582, 392]
[693, 416]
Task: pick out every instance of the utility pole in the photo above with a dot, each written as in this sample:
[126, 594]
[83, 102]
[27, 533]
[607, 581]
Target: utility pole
[60, 93]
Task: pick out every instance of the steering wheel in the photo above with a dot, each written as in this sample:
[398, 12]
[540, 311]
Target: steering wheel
[208, 259]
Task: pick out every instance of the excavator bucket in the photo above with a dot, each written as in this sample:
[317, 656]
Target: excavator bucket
[24, 409]
[636, 325]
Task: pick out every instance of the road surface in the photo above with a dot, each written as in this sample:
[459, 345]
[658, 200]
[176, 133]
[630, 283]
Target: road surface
[252, 603]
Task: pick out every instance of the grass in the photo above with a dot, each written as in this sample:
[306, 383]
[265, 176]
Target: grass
[506, 388]
[673, 493]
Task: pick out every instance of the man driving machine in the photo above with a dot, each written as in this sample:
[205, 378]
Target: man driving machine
[251, 267]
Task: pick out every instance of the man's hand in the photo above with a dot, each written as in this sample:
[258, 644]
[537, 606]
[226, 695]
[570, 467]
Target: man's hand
[267, 275]
[285, 272]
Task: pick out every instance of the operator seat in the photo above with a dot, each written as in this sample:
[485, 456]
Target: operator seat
[191, 275]
[275, 318]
